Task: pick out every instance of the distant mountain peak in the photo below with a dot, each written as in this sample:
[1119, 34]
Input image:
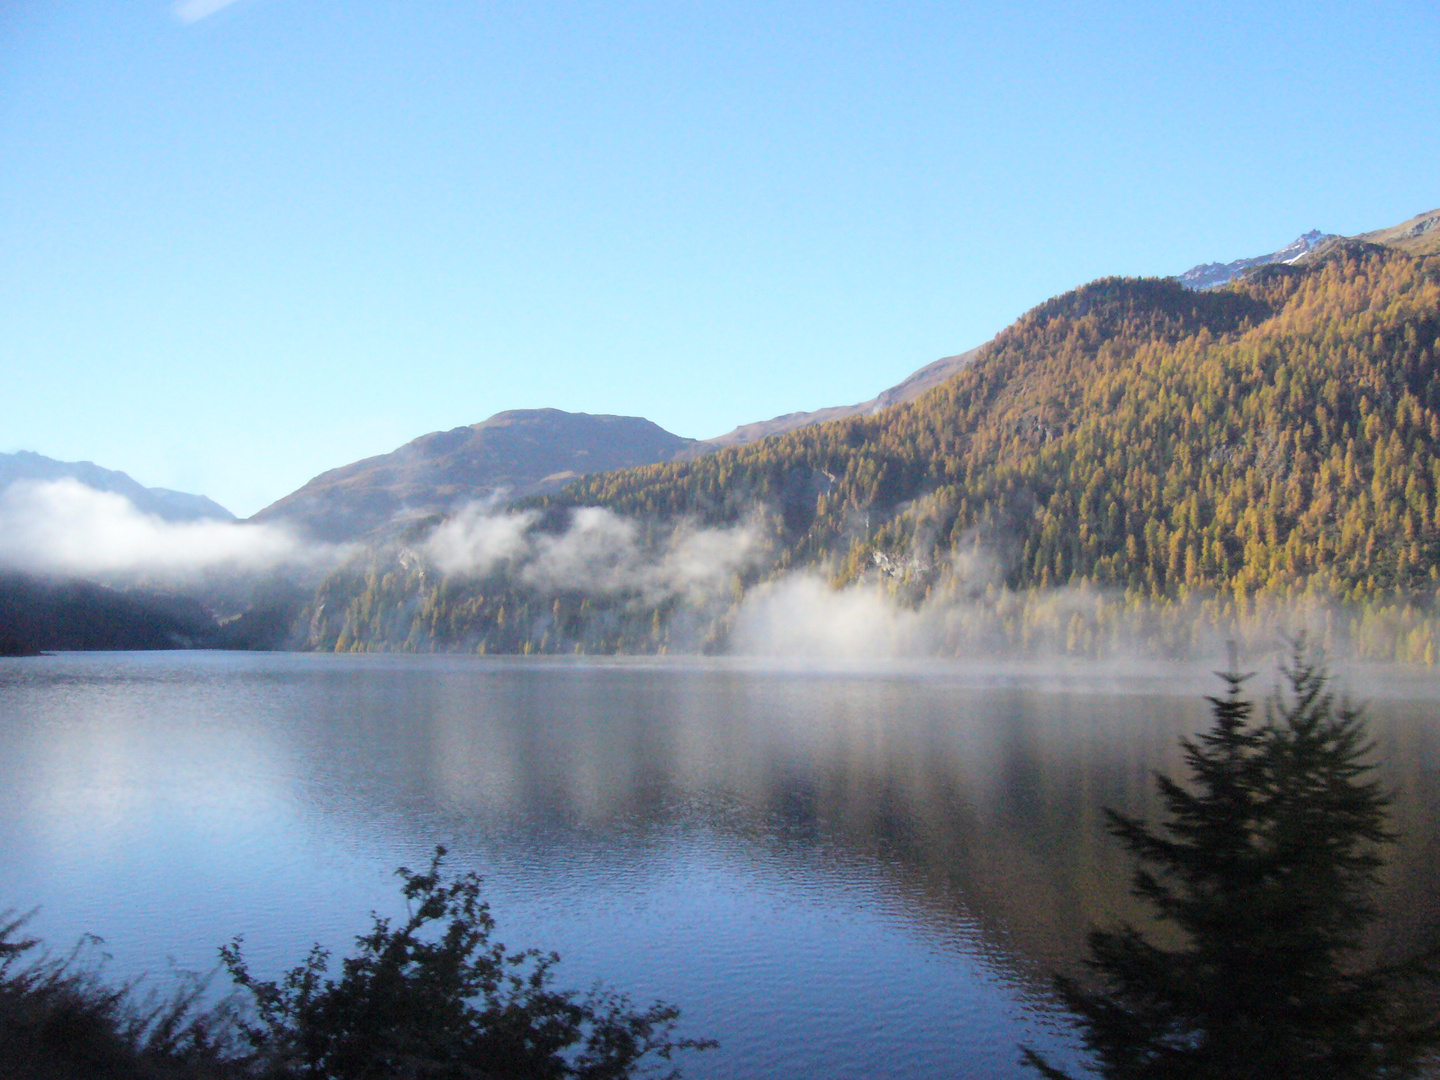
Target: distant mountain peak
[1419, 235]
[161, 502]
[1212, 275]
[513, 454]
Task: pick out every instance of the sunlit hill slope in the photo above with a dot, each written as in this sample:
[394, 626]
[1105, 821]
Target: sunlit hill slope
[1163, 459]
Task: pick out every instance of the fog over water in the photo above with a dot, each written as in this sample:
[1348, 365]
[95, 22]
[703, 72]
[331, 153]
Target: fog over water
[837, 870]
[708, 588]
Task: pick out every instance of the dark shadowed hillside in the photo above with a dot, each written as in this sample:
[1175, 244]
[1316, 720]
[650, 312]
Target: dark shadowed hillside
[37, 615]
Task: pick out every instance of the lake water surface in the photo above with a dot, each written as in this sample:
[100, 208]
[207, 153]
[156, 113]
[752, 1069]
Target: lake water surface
[835, 872]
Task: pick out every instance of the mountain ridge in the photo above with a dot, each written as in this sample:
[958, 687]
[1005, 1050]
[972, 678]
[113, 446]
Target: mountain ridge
[909, 388]
[1213, 275]
[356, 513]
[1419, 235]
[1275, 437]
[163, 503]
[443, 470]
[1132, 461]
[513, 454]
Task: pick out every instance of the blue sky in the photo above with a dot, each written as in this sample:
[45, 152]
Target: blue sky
[243, 243]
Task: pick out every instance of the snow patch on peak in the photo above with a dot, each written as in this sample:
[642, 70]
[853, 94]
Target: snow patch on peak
[1213, 275]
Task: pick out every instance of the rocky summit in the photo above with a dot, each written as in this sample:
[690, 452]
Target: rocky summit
[1213, 275]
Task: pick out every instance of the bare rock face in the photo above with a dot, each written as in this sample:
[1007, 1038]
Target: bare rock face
[1212, 275]
[509, 456]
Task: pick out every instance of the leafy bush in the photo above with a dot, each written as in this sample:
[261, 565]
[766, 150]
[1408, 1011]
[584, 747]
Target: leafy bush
[431, 999]
[436, 998]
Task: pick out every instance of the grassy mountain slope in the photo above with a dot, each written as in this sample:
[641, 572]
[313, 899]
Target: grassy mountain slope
[1418, 236]
[1274, 440]
[519, 452]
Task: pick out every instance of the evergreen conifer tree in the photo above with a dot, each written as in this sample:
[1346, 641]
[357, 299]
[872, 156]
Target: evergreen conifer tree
[1267, 866]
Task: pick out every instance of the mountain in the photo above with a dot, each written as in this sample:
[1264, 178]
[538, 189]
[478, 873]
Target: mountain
[1131, 456]
[932, 374]
[161, 502]
[1418, 236]
[511, 455]
[526, 452]
[1213, 275]
[1279, 434]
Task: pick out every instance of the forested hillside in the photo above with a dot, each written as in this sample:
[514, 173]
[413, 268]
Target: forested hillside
[1164, 458]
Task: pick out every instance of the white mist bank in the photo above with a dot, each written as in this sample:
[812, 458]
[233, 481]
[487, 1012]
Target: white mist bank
[63, 527]
[924, 604]
[599, 553]
[803, 616]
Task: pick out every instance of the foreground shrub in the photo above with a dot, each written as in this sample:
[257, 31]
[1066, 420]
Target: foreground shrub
[431, 999]
[436, 998]
[60, 1020]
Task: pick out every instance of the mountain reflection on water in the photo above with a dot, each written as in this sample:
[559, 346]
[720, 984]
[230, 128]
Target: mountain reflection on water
[971, 790]
[772, 847]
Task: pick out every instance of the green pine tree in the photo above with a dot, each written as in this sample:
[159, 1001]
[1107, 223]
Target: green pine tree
[1267, 865]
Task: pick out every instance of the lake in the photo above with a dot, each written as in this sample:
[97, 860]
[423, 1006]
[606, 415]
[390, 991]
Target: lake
[837, 872]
